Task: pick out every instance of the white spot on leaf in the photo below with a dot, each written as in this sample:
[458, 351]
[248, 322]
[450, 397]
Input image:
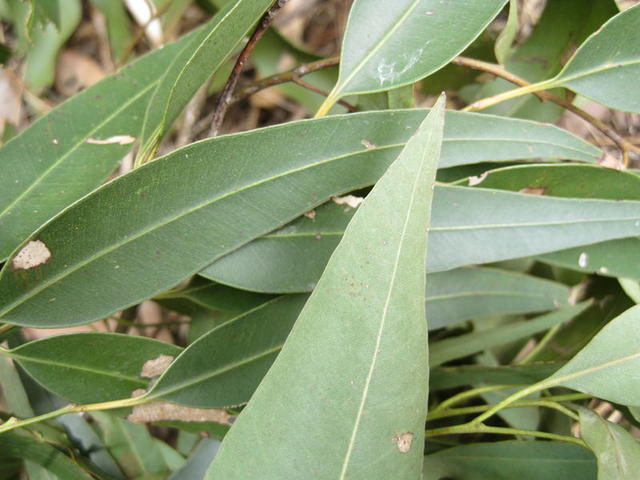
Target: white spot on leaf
[477, 179]
[32, 254]
[583, 260]
[119, 139]
[367, 144]
[350, 200]
[403, 441]
[157, 411]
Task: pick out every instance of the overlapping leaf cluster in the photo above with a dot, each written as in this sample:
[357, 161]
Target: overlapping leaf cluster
[486, 284]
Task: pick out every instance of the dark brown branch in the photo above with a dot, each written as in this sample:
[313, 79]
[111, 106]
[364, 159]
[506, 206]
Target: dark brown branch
[623, 145]
[227, 92]
[284, 77]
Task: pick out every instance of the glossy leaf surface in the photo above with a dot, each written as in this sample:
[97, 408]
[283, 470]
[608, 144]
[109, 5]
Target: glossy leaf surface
[57, 160]
[364, 323]
[173, 229]
[391, 44]
[90, 367]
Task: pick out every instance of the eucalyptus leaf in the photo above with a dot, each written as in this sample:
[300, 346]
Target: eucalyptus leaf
[617, 452]
[90, 367]
[57, 160]
[98, 261]
[607, 64]
[504, 43]
[365, 324]
[464, 345]
[492, 218]
[223, 367]
[27, 447]
[193, 65]
[607, 366]
[510, 460]
[389, 44]
[443, 378]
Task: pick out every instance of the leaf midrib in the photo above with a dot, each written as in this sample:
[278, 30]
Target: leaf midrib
[560, 80]
[473, 293]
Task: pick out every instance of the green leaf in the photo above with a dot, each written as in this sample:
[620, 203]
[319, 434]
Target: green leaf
[174, 229]
[387, 45]
[47, 167]
[364, 323]
[198, 461]
[466, 293]
[132, 446]
[193, 65]
[90, 367]
[607, 366]
[510, 460]
[213, 296]
[18, 445]
[443, 378]
[464, 345]
[607, 64]
[631, 288]
[492, 218]
[223, 367]
[617, 452]
[504, 43]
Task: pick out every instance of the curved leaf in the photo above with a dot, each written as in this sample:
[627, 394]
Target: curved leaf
[608, 365]
[365, 324]
[194, 64]
[223, 367]
[617, 452]
[388, 44]
[606, 66]
[90, 367]
[56, 160]
[100, 260]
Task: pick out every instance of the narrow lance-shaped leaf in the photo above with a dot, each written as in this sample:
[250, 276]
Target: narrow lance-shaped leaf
[617, 452]
[193, 65]
[607, 367]
[93, 367]
[469, 226]
[606, 66]
[389, 44]
[359, 343]
[73, 148]
[223, 367]
[96, 259]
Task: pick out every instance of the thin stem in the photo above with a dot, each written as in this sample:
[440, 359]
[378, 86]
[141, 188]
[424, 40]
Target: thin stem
[14, 423]
[469, 394]
[285, 77]
[508, 95]
[227, 92]
[623, 145]
[329, 102]
[298, 81]
[5, 327]
[544, 341]
[509, 400]
[482, 428]
[454, 412]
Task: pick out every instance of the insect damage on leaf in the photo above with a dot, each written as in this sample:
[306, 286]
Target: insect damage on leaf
[350, 200]
[32, 254]
[156, 366]
[158, 411]
[403, 441]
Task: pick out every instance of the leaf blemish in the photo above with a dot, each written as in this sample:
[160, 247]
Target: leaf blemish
[403, 441]
[477, 179]
[119, 139]
[32, 254]
[350, 200]
[367, 144]
[156, 366]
